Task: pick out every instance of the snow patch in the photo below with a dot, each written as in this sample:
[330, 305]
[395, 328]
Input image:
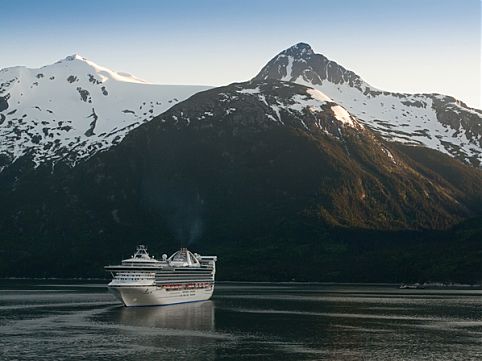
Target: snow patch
[289, 68]
[389, 155]
[276, 109]
[250, 91]
[316, 94]
[342, 115]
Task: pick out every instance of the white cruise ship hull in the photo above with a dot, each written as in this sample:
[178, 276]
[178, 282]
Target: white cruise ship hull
[158, 296]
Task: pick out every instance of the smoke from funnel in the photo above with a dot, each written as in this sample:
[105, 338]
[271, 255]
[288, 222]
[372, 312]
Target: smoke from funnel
[180, 207]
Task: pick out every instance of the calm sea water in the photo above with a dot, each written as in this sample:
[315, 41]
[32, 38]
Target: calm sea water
[45, 320]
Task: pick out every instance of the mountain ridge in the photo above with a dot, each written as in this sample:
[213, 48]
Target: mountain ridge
[74, 108]
[437, 121]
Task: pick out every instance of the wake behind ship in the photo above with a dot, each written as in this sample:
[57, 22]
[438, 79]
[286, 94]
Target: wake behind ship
[143, 280]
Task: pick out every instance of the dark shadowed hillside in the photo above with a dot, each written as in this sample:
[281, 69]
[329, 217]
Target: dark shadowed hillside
[277, 180]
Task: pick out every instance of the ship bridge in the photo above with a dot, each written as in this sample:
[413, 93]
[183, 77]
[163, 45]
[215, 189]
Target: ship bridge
[141, 257]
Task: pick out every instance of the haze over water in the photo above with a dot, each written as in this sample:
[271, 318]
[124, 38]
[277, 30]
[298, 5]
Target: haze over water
[45, 320]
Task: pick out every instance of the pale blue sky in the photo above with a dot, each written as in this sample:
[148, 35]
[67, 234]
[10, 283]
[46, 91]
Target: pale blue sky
[409, 45]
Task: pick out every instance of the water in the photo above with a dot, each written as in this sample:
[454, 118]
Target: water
[45, 320]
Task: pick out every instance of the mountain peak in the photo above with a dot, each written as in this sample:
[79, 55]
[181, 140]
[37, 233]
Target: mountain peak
[78, 61]
[75, 57]
[72, 58]
[301, 64]
[299, 50]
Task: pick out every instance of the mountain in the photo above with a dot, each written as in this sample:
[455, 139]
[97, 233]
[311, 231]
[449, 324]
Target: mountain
[276, 178]
[436, 121]
[74, 108]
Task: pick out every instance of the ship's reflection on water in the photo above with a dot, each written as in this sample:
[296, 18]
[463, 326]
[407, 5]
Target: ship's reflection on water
[182, 329]
[195, 316]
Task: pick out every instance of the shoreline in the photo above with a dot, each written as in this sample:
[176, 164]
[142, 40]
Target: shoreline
[403, 285]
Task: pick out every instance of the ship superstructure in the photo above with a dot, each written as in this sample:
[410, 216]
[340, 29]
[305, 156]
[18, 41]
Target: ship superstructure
[142, 280]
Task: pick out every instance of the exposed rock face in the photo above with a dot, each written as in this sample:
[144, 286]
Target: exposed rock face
[4, 102]
[436, 121]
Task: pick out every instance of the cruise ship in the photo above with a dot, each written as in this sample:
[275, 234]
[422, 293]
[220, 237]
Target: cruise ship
[143, 280]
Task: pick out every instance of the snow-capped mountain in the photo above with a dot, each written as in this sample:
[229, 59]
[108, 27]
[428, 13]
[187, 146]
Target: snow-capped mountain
[436, 121]
[74, 108]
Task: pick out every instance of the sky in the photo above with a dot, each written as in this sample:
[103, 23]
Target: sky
[397, 45]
